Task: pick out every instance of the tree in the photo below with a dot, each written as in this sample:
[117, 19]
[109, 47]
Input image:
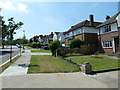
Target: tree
[5, 32]
[76, 43]
[13, 26]
[54, 45]
[8, 30]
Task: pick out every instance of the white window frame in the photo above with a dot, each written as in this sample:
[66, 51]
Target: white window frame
[107, 44]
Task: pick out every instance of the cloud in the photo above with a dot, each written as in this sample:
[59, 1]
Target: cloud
[7, 6]
[22, 7]
[14, 6]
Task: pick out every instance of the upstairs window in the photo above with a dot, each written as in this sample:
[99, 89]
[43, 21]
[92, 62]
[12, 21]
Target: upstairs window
[107, 29]
[107, 44]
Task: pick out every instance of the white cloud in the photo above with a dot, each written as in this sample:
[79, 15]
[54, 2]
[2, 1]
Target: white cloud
[7, 6]
[13, 6]
[22, 7]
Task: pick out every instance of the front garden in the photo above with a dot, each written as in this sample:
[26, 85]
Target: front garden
[49, 64]
[97, 62]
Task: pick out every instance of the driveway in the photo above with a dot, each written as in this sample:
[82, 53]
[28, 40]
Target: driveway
[108, 78]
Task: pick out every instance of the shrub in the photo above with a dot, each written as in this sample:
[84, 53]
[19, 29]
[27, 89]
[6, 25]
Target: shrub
[34, 44]
[54, 45]
[76, 43]
[88, 49]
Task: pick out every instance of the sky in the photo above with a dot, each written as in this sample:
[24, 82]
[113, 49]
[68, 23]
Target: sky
[46, 17]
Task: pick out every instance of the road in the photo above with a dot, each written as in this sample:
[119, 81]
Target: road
[5, 53]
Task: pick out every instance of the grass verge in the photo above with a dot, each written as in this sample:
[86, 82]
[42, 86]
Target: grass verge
[42, 51]
[49, 64]
[98, 63]
[5, 66]
[23, 51]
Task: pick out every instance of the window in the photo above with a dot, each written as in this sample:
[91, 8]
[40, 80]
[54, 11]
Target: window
[107, 44]
[107, 29]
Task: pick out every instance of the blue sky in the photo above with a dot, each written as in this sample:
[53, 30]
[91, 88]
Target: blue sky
[46, 17]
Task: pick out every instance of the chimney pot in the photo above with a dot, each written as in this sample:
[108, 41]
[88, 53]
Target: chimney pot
[91, 20]
[107, 17]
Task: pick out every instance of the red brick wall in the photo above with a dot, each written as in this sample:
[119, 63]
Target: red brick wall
[108, 36]
[108, 50]
[89, 38]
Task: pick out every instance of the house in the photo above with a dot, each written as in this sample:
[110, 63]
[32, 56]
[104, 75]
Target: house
[85, 30]
[108, 34]
[46, 38]
[59, 36]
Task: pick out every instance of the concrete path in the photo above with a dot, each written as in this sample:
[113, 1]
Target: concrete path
[41, 53]
[55, 80]
[19, 67]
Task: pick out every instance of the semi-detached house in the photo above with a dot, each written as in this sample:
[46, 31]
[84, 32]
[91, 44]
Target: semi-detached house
[85, 30]
[108, 34]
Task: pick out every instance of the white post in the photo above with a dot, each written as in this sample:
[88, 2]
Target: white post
[113, 44]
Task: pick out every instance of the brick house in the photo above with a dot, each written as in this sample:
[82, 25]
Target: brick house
[85, 30]
[108, 34]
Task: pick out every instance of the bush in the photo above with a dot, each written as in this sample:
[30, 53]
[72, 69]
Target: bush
[64, 51]
[88, 49]
[54, 45]
[34, 44]
[76, 43]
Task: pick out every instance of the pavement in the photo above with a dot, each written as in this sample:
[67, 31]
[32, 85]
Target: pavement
[16, 77]
[55, 80]
[19, 67]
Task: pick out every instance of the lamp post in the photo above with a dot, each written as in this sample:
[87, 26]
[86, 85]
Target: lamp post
[23, 38]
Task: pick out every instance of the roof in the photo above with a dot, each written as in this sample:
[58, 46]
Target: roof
[84, 23]
[57, 32]
[109, 21]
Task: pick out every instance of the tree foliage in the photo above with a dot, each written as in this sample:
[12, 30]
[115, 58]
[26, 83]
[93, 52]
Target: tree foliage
[76, 43]
[8, 29]
[54, 45]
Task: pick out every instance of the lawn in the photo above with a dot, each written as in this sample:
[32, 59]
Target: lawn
[49, 64]
[73, 54]
[5, 66]
[98, 63]
[41, 51]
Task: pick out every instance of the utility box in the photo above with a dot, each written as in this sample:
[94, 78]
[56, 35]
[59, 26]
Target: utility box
[86, 68]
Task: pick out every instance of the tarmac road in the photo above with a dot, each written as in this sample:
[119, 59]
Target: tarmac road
[5, 53]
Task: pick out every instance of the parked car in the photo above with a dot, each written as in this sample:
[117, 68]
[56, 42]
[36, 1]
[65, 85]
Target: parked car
[19, 46]
[46, 47]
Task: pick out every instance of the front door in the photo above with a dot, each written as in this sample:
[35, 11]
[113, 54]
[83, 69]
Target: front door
[116, 44]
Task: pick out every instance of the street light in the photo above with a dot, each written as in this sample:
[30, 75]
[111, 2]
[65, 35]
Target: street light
[23, 38]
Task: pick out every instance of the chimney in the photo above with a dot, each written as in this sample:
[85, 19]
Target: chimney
[107, 17]
[91, 20]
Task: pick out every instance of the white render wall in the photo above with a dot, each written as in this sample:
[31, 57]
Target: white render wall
[82, 30]
[113, 28]
[118, 20]
[90, 30]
